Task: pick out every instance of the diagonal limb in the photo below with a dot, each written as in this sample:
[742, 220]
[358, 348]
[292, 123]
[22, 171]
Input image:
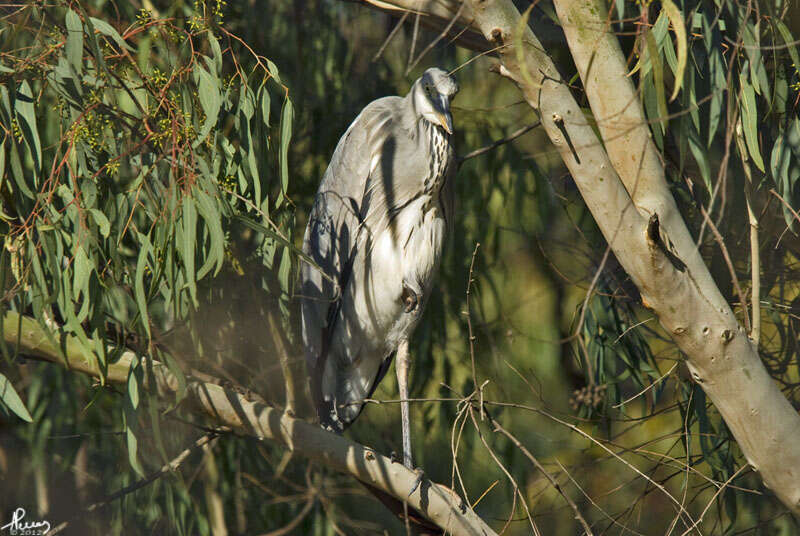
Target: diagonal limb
[401, 368]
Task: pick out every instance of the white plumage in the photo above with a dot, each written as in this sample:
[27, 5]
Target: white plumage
[377, 229]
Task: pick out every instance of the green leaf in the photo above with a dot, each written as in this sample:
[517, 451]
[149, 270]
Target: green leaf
[281, 240]
[750, 121]
[106, 29]
[701, 157]
[287, 116]
[26, 116]
[273, 71]
[779, 165]
[718, 83]
[177, 372]
[145, 248]
[133, 449]
[74, 45]
[101, 221]
[11, 400]
[265, 103]
[676, 18]
[213, 219]
[208, 90]
[187, 246]
[82, 272]
[788, 39]
[658, 77]
[133, 386]
[216, 51]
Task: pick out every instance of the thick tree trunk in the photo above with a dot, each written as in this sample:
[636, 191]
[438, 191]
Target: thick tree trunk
[438, 503]
[639, 219]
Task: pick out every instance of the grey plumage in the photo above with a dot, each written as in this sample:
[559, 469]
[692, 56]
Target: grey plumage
[377, 228]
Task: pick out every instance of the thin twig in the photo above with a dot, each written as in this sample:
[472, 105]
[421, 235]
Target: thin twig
[511, 137]
[643, 391]
[391, 35]
[720, 490]
[787, 205]
[517, 490]
[729, 263]
[755, 268]
[470, 280]
[413, 42]
[755, 260]
[438, 38]
[587, 529]
[167, 468]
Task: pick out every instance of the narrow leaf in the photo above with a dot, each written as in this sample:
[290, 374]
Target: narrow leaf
[101, 221]
[208, 91]
[676, 18]
[106, 29]
[10, 399]
[287, 116]
[26, 117]
[74, 41]
[750, 121]
[139, 291]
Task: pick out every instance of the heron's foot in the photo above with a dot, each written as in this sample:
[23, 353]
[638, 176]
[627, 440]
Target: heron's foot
[410, 299]
[420, 477]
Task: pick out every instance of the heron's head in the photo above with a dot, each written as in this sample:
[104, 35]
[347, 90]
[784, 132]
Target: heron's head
[432, 94]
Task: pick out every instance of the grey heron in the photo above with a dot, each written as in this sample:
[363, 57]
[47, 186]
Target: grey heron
[377, 230]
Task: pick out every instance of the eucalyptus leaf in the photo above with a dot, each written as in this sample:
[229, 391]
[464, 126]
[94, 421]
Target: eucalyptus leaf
[11, 400]
[106, 29]
[750, 121]
[74, 47]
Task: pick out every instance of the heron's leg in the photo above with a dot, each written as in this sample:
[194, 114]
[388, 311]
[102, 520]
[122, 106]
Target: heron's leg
[401, 368]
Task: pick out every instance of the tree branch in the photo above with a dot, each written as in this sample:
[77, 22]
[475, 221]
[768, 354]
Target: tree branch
[688, 303]
[438, 503]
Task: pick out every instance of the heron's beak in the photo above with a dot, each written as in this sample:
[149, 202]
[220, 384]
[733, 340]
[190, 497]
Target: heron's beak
[445, 119]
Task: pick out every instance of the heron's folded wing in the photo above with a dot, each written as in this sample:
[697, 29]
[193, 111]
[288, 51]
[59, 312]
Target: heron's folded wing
[337, 225]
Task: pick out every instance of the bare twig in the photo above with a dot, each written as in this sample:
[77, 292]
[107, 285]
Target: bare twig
[587, 529]
[413, 42]
[391, 35]
[721, 243]
[470, 280]
[438, 37]
[167, 468]
[755, 269]
[511, 137]
[643, 391]
[716, 494]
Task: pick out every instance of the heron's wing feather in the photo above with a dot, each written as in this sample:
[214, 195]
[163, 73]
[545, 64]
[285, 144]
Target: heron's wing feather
[336, 227]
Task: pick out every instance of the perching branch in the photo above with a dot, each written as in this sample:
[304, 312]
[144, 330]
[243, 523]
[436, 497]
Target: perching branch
[436, 502]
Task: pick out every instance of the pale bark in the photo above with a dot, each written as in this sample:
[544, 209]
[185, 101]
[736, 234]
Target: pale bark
[438, 503]
[626, 191]
[651, 240]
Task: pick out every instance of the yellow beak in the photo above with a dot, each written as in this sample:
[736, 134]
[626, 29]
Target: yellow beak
[446, 120]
